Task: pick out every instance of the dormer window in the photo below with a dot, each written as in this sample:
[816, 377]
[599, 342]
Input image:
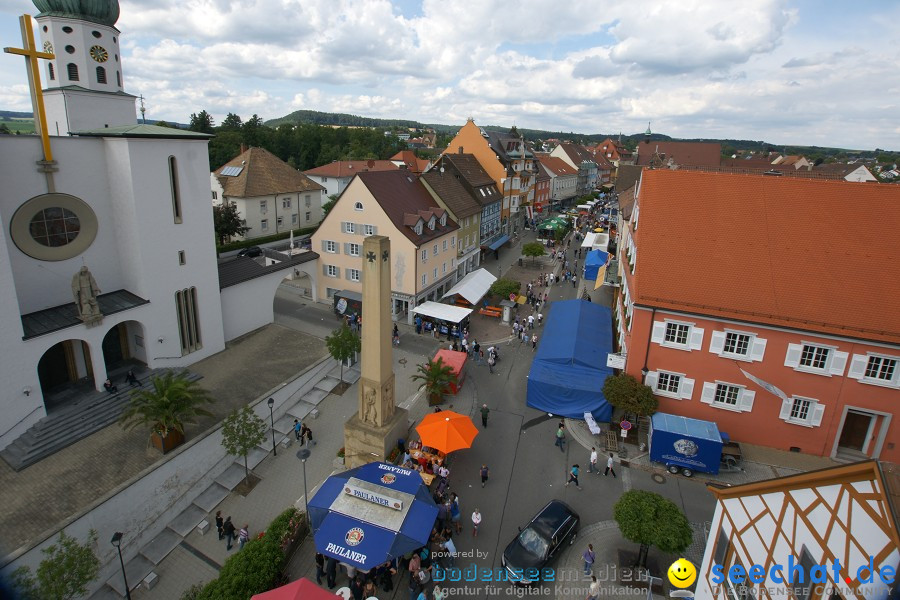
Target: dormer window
[444, 220]
[418, 228]
[431, 223]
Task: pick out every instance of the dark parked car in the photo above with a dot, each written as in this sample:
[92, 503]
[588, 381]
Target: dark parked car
[540, 542]
[252, 252]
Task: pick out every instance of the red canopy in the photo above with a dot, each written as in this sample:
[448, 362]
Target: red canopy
[457, 362]
[295, 590]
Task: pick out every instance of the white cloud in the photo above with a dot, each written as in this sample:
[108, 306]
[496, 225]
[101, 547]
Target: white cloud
[770, 69]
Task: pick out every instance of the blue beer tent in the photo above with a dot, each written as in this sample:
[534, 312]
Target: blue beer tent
[569, 369]
[371, 514]
[593, 262]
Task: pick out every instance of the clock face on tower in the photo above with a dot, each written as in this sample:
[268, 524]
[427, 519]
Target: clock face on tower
[99, 53]
[48, 47]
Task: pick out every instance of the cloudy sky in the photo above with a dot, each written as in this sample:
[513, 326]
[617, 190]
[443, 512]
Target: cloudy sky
[788, 72]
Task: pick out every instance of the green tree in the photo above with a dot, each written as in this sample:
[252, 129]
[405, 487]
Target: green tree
[242, 431]
[651, 520]
[227, 222]
[629, 395]
[326, 208]
[171, 402]
[342, 344]
[65, 572]
[202, 122]
[231, 122]
[4, 129]
[533, 249]
[505, 286]
[163, 124]
[436, 377]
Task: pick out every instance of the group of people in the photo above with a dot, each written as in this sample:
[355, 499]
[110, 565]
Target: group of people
[303, 433]
[228, 532]
[130, 378]
[362, 585]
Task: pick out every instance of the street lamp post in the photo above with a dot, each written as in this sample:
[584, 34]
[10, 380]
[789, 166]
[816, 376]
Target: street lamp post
[272, 420]
[117, 542]
[303, 454]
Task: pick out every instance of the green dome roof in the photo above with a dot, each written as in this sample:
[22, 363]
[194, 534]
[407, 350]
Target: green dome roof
[104, 12]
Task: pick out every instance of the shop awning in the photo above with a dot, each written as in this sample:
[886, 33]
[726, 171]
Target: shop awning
[499, 242]
[443, 312]
[473, 286]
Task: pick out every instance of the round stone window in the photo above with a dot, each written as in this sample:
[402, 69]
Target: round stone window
[54, 227]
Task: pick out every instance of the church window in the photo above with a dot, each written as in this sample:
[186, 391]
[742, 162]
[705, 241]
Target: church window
[215, 195]
[188, 320]
[50, 70]
[101, 75]
[67, 29]
[97, 34]
[118, 79]
[54, 227]
[70, 49]
[181, 257]
[173, 188]
[72, 70]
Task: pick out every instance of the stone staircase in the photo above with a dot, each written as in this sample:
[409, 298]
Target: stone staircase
[72, 422]
[140, 569]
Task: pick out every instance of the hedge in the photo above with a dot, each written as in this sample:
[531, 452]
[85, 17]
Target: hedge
[259, 566]
[263, 240]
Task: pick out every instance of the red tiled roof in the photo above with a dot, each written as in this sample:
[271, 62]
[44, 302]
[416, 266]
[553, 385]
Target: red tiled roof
[557, 166]
[413, 163]
[691, 154]
[404, 200]
[349, 168]
[262, 174]
[816, 255]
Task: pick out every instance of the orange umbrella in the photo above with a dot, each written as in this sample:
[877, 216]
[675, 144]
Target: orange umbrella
[447, 431]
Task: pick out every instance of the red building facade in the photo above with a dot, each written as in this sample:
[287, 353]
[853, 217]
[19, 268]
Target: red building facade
[739, 305]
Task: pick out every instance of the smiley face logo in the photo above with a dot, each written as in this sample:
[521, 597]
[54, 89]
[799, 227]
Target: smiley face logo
[682, 573]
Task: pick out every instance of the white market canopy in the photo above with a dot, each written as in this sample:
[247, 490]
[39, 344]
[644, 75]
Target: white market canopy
[473, 286]
[596, 240]
[584, 206]
[442, 312]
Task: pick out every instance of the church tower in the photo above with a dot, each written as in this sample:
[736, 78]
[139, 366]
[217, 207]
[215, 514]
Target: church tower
[84, 82]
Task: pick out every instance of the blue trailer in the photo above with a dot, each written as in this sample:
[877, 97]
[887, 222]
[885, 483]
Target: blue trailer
[690, 445]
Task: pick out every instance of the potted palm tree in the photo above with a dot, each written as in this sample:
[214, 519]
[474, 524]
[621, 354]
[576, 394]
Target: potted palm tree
[436, 377]
[171, 402]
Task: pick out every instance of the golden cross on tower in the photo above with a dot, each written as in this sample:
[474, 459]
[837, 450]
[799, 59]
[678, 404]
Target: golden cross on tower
[31, 54]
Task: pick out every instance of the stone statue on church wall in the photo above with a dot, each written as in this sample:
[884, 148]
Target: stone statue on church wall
[85, 290]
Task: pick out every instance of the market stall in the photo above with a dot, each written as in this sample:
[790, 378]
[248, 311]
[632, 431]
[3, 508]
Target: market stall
[457, 362]
[446, 318]
[471, 288]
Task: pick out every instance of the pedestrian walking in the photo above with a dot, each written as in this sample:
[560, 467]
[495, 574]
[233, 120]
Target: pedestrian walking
[476, 349]
[465, 346]
[476, 522]
[594, 589]
[589, 557]
[306, 432]
[540, 319]
[533, 342]
[490, 362]
[574, 280]
[484, 474]
[454, 512]
[530, 321]
[485, 411]
[396, 336]
[609, 466]
[320, 567]
[592, 466]
[243, 536]
[220, 524]
[297, 429]
[331, 572]
[228, 529]
[573, 476]
[561, 437]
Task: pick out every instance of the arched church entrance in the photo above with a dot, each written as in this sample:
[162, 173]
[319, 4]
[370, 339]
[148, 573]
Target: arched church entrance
[123, 344]
[65, 371]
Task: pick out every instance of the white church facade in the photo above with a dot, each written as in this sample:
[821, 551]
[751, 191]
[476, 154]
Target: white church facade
[131, 203]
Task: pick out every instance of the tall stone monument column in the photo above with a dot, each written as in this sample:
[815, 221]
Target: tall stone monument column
[379, 422]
